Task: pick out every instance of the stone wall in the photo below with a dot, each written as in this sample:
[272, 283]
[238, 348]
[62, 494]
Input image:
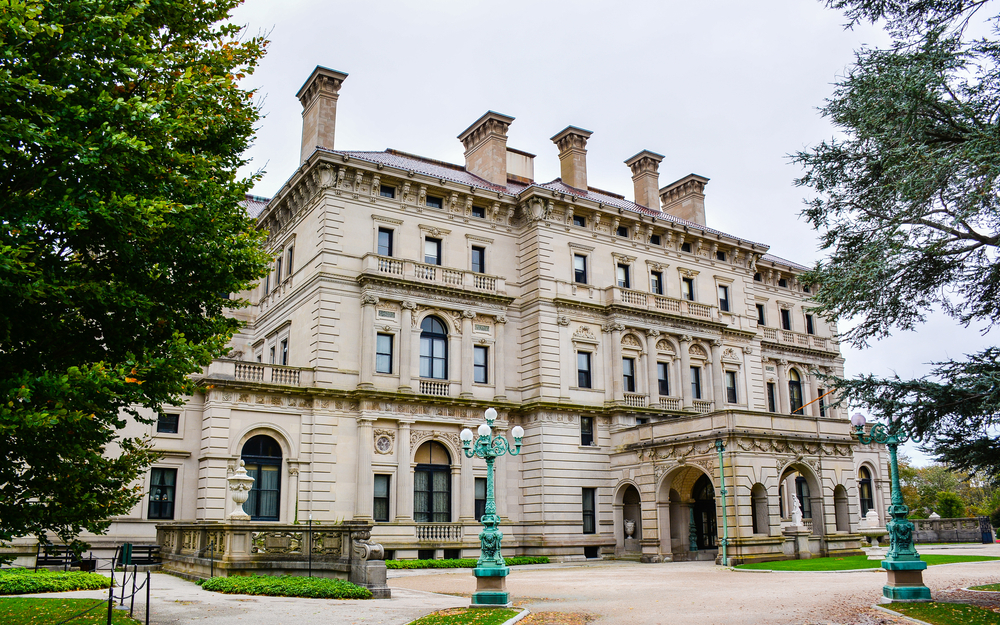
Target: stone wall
[947, 530]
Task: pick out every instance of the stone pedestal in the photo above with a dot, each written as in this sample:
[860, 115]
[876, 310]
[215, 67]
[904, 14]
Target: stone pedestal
[906, 580]
[491, 587]
[797, 541]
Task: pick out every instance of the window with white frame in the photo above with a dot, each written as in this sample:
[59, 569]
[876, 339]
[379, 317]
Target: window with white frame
[383, 353]
[580, 268]
[385, 236]
[622, 276]
[723, 298]
[731, 397]
[480, 364]
[628, 374]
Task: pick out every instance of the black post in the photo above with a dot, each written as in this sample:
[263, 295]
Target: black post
[147, 597]
[212, 563]
[111, 590]
[131, 604]
[310, 544]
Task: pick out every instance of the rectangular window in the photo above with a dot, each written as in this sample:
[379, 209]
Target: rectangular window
[277, 271]
[267, 283]
[432, 251]
[628, 374]
[387, 191]
[385, 242]
[284, 352]
[687, 289]
[720, 256]
[822, 401]
[760, 315]
[167, 423]
[579, 269]
[772, 404]
[622, 231]
[587, 431]
[162, 483]
[809, 325]
[291, 256]
[589, 511]
[580, 220]
[723, 298]
[656, 282]
[621, 275]
[731, 387]
[583, 369]
[478, 259]
[654, 239]
[686, 247]
[480, 498]
[479, 211]
[783, 283]
[480, 366]
[786, 319]
[380, 504]
[383, 353]
[696, 382]
[272, 352]
[434, 201]
[663, 378]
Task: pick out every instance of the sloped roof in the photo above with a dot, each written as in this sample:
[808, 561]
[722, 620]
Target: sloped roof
[777, 260]
[255, 205]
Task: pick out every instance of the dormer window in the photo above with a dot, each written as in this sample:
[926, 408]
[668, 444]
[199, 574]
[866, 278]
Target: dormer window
[622, 231]
[387, 191]
[654, 239]
[783, 283]
[479, 211]
[686, 247]
[720, 256]
[434, 202]
[580, 220]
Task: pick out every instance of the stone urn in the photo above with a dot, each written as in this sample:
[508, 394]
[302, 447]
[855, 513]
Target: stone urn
[870, 528]
[239, 485]
[629, 528]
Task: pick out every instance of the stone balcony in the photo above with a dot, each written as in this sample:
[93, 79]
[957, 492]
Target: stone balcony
[260, 373]
[662, 303]
[797, 339]
[435, 275]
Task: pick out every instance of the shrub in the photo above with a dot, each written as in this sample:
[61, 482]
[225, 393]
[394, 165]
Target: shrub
[460, 563]
[949, 505]
[287, 586]
[24, 581]
[995, 518]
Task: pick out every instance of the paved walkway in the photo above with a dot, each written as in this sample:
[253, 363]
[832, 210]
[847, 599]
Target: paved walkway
[613, 592]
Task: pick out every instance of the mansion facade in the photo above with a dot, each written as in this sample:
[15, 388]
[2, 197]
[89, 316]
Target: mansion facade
[408, 295]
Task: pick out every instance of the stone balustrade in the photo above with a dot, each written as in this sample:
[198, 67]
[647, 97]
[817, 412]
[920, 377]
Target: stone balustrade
[962, 530]
[652, 301]
[405, 269]
[245, 371]
[439, 532]
[341, 550]
[787, 337]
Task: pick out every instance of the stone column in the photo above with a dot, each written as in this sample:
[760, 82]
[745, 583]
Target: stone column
[466, 355]
[366, 365]
[404, 476]
[405, 345]
[686, 371]
[617, 383]
[783, 406]
[718, 387]
[499, 360]
[467, 489]
[293, 492]
[654, 388]
[365, 481]
[457, 503]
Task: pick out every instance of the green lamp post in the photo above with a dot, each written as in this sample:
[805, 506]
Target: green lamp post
[720, 447]
[902, 563]
[491, 570]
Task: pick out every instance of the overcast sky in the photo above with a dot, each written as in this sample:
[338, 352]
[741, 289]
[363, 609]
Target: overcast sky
[723, 88]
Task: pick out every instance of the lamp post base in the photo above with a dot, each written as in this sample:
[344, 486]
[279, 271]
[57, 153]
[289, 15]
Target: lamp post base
[491, 587]
[906, 580]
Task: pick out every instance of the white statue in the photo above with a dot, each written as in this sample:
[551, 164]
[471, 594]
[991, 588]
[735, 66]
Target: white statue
[796, 511]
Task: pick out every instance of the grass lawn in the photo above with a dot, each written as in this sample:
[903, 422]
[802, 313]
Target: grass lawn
[852, 562]
[947, 613]
[992, 587]
[468, 616]
[21, 611]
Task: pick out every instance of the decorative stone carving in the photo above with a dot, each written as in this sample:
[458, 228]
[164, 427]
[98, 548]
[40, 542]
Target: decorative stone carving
[747, 349]
[369, 299]
[652, 333]
[697, 350]
[468, 314]
[629, 340]
[583, 332]
[562, 320]
[664, 345]
[384, 440]
[611, 326]
[239, 485]
[686, 338]
[501, 318]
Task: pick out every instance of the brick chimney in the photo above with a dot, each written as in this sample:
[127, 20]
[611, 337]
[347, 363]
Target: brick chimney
[685, 198]
[645, 168]
[572, 144]
[485, 144]
[319, 109]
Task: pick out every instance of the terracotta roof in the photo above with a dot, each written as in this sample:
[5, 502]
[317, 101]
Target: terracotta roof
[777, 260]
[429, 167]
[255, 205]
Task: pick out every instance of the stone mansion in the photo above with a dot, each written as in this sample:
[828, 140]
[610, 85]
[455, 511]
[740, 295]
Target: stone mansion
[408, 295]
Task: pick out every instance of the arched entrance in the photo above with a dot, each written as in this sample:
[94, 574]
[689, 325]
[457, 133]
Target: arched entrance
[628, 521]
[799, 484]
[262, 457]
[703, 508]
[687, 515]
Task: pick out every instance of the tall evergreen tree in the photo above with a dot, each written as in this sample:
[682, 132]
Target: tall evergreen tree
[907, 204]
[122, 126]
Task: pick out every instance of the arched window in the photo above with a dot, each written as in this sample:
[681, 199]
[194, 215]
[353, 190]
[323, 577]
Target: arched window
[840, 509]
[805, 503]
[432, 484]
[794, 391]
[704, 513]
[262, 456]
[865, 490]
[760, 516]
[433, 349]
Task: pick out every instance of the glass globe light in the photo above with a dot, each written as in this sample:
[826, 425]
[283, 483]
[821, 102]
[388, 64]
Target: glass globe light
[484, 430]
[491, 414]
[518, 431]
[466, 435]
[858, 420]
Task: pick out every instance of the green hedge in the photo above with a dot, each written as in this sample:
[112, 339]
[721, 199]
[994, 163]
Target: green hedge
[287, 586]
[460, 563]
[25, 581]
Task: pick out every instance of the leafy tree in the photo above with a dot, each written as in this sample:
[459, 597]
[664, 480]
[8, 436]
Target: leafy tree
[121, 127]
[949, 505]
[908, 207]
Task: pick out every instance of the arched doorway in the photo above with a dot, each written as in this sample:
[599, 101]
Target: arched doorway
[865, 490]
[432, 484]
[628, 516]
[705, 525]
[262, 457]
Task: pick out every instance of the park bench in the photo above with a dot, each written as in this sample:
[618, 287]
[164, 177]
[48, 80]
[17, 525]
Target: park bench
[144, 555]
[55, 555]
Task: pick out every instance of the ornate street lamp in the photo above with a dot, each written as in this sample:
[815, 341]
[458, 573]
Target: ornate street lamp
[902, 564]
[720, 447]
[491, 570]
